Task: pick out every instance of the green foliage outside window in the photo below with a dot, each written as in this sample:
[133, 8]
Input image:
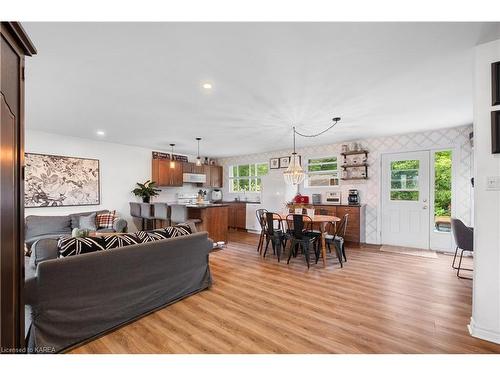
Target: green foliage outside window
[246, 177]
[442, 175]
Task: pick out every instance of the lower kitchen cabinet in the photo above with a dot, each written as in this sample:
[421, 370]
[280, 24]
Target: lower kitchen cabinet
[237, 215]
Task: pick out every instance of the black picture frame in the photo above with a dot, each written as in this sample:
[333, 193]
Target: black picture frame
[27, 155]
[274, 163]
[495, 83]
[285, 161]
[495, 132]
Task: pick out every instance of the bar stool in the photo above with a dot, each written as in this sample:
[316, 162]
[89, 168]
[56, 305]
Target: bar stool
[162, 211]
[142, 211]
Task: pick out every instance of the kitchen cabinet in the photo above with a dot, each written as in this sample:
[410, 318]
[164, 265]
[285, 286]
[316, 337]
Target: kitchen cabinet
[355, 232]
[237, 215]
[164, 175]
[216, 176]
[213, 173]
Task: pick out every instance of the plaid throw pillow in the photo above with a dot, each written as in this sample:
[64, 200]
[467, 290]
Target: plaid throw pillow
[106, 220]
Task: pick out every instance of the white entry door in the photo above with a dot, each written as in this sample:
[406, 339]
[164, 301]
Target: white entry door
[405, 199]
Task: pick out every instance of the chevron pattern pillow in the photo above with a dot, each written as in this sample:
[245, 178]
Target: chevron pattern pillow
[151, 235]
[69, 246]
[120, 240]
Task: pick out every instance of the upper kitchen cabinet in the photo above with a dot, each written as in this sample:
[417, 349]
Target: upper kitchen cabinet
[216, 176]
[164, 175]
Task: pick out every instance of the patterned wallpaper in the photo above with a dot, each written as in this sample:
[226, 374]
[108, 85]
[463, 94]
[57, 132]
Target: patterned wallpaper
[455, 138]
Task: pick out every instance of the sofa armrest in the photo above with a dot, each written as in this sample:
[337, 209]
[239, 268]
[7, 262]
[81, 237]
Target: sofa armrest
[120, 226]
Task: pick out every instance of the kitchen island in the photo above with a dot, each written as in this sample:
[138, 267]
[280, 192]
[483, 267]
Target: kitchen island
[213, 219]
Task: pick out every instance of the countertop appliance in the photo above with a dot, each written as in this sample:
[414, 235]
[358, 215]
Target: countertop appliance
[316, 198]
[216, 195]
[333, 197]
[301, 199]
[195, 178]
[353, 198]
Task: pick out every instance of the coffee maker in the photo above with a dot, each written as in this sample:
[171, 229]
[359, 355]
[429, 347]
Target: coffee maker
[353, 198]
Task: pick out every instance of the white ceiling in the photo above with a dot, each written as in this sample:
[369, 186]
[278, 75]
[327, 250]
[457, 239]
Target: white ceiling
[141, 82]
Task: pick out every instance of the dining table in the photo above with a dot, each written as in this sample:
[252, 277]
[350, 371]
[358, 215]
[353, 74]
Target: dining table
[322, 220]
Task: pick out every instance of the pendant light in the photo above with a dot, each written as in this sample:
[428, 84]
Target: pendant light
[198, 159]
[294, 174]
[172, 161]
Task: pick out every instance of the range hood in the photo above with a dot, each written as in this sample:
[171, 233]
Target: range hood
[194, 178]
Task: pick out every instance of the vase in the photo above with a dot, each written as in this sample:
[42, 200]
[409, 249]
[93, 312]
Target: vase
[146, 199]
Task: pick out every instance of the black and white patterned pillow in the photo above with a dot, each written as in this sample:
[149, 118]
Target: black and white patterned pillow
[151, 235]
[177, 231]
[120, 240]
[69, 246]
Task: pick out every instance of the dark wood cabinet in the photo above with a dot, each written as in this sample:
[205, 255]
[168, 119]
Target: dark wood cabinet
[15, 45]
[356, 220]
[216, 176]
[164, 175]
[237, 215]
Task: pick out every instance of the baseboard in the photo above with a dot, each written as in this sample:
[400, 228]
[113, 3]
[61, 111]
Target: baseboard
[482, 333]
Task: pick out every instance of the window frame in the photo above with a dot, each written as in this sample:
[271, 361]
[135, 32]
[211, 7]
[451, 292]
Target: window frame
[255, 178]
[335, 172]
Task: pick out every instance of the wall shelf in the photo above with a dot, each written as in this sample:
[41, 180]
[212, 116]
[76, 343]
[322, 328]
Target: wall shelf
[362, 165]
[360, 152]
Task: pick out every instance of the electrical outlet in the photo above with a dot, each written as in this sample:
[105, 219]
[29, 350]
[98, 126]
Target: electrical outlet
[493, 183]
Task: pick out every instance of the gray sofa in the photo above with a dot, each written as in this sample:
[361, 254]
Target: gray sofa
[77, 298]
[40, 227]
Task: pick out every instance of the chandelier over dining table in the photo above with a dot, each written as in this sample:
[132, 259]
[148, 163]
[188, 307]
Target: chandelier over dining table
[294, 174]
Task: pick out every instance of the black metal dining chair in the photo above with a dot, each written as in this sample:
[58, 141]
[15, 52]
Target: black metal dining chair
[338, 239]
[261, 218]
[298, 228]
[464, 238]
[274, 233]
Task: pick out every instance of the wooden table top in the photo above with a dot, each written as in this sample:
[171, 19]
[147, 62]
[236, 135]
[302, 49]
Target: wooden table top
[315, 218]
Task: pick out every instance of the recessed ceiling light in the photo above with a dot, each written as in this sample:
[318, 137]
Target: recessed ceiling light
[100, 133]
[207, 86]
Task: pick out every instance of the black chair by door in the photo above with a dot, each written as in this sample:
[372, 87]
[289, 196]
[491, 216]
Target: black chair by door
[274, 233]
[298, 233]
[464, 238]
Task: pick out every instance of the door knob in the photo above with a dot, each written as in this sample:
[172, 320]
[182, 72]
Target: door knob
[424, 207]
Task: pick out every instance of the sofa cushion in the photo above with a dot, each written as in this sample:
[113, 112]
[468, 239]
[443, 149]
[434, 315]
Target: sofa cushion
[39, 225]
[55, 236]
[69, 246]
[88, 222]
[75, 218]
[112, 242]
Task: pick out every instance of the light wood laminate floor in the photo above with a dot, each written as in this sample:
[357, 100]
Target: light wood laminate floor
[378, 303]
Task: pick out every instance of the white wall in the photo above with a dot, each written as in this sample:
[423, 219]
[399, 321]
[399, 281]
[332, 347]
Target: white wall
[455, 138]
[485, 321]
[121, 167]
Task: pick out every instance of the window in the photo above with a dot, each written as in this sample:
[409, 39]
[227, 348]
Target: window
[322, 172]
[404, 180]
[246, 177]
[442, 191]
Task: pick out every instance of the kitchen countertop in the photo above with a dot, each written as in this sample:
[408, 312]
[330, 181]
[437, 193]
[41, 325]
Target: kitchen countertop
[242, 201]
[205, 205]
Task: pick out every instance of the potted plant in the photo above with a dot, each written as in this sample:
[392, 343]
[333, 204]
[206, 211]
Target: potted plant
[146, 190]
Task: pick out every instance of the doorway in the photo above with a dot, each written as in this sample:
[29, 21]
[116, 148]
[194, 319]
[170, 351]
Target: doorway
[416, 199]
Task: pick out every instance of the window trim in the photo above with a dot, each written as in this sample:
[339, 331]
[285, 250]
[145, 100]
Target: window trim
[336, 171]
[231, 178]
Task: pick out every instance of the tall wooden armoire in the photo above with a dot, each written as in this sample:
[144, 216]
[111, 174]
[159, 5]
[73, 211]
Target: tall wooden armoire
[15, 45]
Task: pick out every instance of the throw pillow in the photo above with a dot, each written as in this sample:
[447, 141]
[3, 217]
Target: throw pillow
[106, 220]
[68, 246]
[151, 235]
[112, 242]
[88, 222]
[177, 231]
